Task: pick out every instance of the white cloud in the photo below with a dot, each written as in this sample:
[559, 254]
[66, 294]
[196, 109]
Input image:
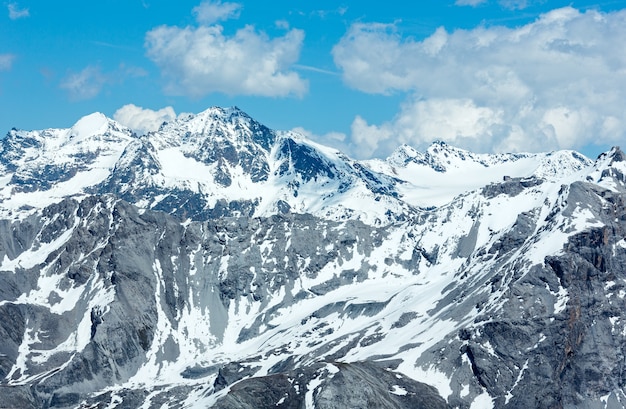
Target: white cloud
[6, 61]
[85, 84]
[324, 13]
[457, 121]
[509, 4]
[559, 82]
[209, 12]
[202, 60]
[15, 12]
[472, 3]
[143, 120]
[368, 55]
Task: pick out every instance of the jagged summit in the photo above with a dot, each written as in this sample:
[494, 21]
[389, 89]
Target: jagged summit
[203, 121]
[615, 154]
[215, 133]
[609, 170]
[618, 154]
[442, 157]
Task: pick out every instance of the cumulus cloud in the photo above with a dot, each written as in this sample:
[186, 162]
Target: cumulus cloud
[6, 61]
[457, 121]
[15, 12]
[85, 84]
[209, 12]
[197, 61]
[558, 82]
[143, 120]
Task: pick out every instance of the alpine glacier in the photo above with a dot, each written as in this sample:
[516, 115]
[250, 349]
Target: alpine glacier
[219, 263]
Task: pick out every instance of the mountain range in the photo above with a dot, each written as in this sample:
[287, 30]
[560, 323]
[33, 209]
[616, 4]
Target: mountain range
[218, 263]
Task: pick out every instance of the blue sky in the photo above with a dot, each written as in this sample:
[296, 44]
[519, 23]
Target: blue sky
[363, 76]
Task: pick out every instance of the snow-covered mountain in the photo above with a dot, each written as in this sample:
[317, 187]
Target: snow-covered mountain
[218, 263]
[222, 162]
[217, 163]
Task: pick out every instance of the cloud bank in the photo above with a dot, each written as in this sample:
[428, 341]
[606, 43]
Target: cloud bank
[143, 120]
[197, 61]
[558, 82]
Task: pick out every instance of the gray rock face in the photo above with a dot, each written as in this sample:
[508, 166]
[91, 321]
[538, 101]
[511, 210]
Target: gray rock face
[533, 352]
[354, 385]
[154, 268]
[114, 250]
[511, 187]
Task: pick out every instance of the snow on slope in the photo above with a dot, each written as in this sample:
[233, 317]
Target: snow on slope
[443, 172]
[38, 168]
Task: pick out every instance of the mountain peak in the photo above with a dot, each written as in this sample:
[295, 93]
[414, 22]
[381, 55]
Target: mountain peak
[440, 156]
[610, 158]
[610, 169]
[218, 113]
[439, 142]
[89, 125]
[617, 155]
[204, 121]
[403, 154]
[216, 125]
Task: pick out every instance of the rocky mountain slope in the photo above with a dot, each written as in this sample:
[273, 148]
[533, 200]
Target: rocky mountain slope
[218, 263]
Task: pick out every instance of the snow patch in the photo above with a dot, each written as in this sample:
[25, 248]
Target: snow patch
[482, 401]
[464, 391]
[561, 300]
[520, 375]
[398, 390]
